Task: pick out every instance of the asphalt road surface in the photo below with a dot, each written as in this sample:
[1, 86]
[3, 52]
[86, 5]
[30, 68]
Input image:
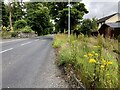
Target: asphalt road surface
[30, 63]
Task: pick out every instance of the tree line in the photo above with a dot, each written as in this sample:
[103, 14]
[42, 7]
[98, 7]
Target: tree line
[43, 17]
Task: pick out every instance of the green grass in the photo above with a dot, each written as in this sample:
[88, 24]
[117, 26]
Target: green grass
[57, 43]
[86, 56]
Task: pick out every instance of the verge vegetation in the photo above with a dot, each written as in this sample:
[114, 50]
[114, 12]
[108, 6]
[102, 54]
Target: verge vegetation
[91, 59]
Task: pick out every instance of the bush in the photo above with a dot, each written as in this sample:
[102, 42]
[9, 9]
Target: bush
[4, 29]
[26, 29]
[14, 34]
[20, 24]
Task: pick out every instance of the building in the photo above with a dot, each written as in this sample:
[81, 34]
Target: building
[109, 26]
[109, 19]
[110, 29]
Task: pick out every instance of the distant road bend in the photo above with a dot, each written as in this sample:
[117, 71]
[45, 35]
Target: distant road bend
[30, 63]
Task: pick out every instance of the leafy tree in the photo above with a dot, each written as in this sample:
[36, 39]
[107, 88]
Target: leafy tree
[56, 7]
[89, 25]
[38, 17]
[59, 11]
[86, 26]
[12, 11]
[94, 24]
[17, 11]
[5, 18]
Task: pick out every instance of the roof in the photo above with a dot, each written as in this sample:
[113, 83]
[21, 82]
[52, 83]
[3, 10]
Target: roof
[105, 18]
[118, 21]
[114, 25]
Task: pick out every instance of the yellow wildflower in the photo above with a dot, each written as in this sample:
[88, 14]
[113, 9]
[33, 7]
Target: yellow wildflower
[85, 55]
[96, 54]
[92, 61]
[104, 62]
[102, 66]
[90, 55]
[109, 62]
[95, 46]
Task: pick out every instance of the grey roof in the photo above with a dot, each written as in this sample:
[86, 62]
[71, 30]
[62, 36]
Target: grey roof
[114, 25]
[118, 21]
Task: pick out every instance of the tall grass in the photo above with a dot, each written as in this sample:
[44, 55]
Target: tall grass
[91, 58]
[5, 35]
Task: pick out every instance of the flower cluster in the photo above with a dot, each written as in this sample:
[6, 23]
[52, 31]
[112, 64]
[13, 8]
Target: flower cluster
[93, 54]
[92, 59]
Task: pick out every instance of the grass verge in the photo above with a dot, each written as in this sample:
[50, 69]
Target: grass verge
[91, 59]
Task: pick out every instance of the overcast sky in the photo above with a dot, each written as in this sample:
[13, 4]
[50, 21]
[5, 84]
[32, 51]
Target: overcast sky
[98, 8]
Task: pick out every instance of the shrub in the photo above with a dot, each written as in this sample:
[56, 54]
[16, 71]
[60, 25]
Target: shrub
[20, 24]
[26, 29]
[14, 34]
[4, 29]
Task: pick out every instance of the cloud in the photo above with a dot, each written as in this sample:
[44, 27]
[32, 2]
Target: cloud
[100, 9]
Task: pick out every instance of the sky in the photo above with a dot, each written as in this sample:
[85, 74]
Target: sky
[98, 8]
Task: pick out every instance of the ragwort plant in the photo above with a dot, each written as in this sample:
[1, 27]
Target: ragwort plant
[92, 63]
[98, 67]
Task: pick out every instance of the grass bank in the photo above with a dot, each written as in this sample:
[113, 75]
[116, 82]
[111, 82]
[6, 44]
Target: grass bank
[91, 59]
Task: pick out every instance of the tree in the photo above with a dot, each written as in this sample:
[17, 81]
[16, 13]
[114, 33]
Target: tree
[89, 25]
[94, 24]
[5, 18]
[59, 11]
[86, 26]
[55, 8]
[17, 11]
[10, 17]
[38, 17]
[78, 10]
[12, 12]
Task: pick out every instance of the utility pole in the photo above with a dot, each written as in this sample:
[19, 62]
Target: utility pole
[68, 18]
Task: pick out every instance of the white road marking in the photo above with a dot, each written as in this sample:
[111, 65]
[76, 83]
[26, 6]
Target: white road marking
[13, 40]
[6, 50]
[25, 43]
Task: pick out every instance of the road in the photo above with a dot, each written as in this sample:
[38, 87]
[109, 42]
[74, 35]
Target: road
[30, 63]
